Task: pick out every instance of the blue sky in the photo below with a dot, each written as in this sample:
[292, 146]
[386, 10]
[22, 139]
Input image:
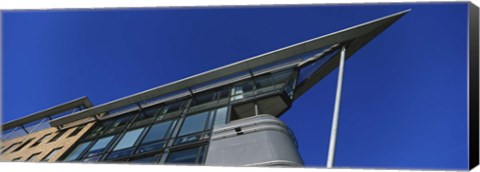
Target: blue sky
[404, 96]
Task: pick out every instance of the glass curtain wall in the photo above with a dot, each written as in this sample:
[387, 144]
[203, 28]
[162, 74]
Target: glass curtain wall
[175, 132]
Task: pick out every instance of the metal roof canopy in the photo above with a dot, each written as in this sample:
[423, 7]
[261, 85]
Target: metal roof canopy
[49, 112]
[360, 34]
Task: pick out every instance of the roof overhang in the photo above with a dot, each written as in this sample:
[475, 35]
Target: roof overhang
[364, 32]
[48, 112]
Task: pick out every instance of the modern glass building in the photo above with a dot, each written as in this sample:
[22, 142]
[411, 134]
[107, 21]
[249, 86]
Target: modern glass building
[226, 116]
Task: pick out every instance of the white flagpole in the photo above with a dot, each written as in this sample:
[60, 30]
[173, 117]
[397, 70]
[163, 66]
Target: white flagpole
[333, 132]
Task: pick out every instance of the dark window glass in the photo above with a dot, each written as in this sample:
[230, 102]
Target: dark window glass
[194, 123]
[155, 138]
[124, 146]
[242, 90]
[33, 157]
[40, 140]
[223, 93]
[23, 145]
[57, 136]
[157, 132]
[282, 76]
[51, 154]
[152, 147]
[101, 126]
[171, 109]
[76, 131]
[186, 156]
[77, 151]
[10, 147]
[263, 81]
[99, 147]
[122, 121]
[147, 115]
[203, 98]
[144, 160]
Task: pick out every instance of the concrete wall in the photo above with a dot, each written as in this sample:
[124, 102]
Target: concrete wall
[261, 140]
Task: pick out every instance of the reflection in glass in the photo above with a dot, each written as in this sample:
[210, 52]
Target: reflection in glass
[220, 116]
[144, 160]
[186, 156]
[77, 151]
[157, 132]
[194, 123]
[99, 146]
[128, 139]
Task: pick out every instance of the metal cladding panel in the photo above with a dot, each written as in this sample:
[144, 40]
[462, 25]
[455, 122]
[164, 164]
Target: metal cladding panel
[261, 140]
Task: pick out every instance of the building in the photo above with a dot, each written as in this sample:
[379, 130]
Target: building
[226, 116]
[31, 138]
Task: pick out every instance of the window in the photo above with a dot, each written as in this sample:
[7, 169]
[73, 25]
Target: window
[147, 115]
[99, 147]
[10, 147]
[203, 98]
[128, 139]
[193, 127]
[171, 110]
[76, 131]
[144, 160]
[120, 123]
[126, 142]
[40, 140]
[77, 151]
[155, 137]
[23, 145]
[57, 136]
[242, 90]
[194, 123]
[33, 157]
[220, 116]
[187, 156]
[263, 84]
[51, 154]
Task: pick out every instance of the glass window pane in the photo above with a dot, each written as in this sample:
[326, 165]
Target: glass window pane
[149, 113]
[263, 81]
[194, 123]
[172, 107]
[144, 160]
[204, 98]
[129, 139]
[220, 117]
[157, 132]
[99, 146]
[77, 151]
[186, 156]
[122, 121]
[282, 76]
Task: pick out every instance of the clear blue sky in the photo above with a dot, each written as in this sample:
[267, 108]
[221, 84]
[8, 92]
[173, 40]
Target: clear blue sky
[404, 98]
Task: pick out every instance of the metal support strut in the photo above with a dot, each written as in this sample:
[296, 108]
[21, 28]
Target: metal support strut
[333, 132]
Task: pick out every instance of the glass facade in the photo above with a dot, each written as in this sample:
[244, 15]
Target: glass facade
[176, 131]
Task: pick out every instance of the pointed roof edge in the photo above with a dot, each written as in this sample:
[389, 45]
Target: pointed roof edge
[250, 63]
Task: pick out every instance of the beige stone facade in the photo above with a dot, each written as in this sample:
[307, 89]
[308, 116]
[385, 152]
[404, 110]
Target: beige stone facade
[43, 146]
